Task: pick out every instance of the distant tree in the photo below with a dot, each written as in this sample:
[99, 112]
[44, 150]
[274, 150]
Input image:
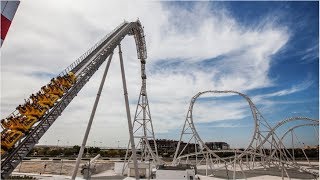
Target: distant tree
[112, 153]
[43, 151]
[55, 152]
[94, 150]
[46, 150]
[32, 152]
[102, 153]
[76, 149]
[68, 152]
[122, 152]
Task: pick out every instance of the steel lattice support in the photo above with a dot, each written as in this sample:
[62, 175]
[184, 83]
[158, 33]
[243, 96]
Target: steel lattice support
[143, 127]
[189, 128]
[263, 137]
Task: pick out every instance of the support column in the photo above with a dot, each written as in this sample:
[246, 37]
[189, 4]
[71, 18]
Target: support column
[133, 148]
[84, 141]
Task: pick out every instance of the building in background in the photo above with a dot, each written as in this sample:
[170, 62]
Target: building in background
[168, 147]
[217, 145]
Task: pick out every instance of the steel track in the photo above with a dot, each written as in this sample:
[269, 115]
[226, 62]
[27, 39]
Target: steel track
[84, 68]
[250, 150]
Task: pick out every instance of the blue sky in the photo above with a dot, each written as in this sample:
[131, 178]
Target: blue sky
[267, 50]
[295, 64]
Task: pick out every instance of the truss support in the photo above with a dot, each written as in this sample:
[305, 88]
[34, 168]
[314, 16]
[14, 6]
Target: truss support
[85, 138]
[264, 137]
[143, 127]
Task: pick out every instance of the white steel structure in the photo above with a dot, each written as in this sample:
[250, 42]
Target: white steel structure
[266, 148]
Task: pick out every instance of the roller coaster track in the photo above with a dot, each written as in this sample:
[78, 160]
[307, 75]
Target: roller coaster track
[237, 158]
[272, 132]
[83, 68]
[255, 148]
[189, 122]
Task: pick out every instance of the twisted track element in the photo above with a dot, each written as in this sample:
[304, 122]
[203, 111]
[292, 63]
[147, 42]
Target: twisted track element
[256, 146]
[190, 122]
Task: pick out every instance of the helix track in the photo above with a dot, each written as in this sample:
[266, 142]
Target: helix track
[83, 68]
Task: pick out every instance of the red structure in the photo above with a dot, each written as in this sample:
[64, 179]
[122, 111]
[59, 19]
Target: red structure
[8, 10]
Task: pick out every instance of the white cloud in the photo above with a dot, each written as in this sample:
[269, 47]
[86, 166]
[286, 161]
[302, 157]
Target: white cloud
[265, 98]
[46, 36]
[294, 89]
[230, 125]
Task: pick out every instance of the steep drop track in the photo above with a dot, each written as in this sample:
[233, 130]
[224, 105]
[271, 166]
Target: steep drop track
[83, 68]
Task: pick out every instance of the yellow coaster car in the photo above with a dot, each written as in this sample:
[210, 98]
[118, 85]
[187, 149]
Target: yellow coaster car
[9, 138]
[20, 123]
[71, 77]
[29, 109]
[3, 152]
[63, 81]
[53, 89]
[35, 100]
[27, 122]
[46, 99]
[10, 123]
[51, 97]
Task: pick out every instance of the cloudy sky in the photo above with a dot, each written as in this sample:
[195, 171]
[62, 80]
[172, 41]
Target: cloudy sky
[267, 50]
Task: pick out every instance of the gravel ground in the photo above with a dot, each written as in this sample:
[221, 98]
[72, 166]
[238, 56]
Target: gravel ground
[63, 167]
[105, 170]
[293, 173]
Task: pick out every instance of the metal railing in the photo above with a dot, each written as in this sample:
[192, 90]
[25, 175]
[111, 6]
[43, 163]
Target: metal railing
[88, 52]
[32, 138]
[79, 60]
[37, 131]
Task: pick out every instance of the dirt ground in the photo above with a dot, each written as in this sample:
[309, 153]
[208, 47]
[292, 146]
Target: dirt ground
[65, 167]
[293, 173]
[59, 167]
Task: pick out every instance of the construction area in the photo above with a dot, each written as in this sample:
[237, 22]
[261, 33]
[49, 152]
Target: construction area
[265, 157]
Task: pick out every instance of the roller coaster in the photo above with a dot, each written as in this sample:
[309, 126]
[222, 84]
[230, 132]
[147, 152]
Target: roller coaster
[23, 128]
[266, 148]
[18, 124]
